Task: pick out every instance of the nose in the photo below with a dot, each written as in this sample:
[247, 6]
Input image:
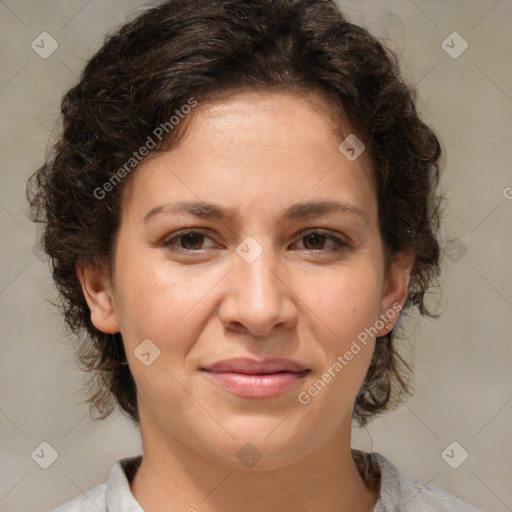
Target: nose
[258, 297]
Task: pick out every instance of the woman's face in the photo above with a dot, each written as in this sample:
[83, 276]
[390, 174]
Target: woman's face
[257, 277]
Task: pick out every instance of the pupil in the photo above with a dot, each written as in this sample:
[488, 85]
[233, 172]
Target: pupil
[314, 237]
[195, 240]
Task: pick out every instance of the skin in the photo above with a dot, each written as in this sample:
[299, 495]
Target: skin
[256, 153]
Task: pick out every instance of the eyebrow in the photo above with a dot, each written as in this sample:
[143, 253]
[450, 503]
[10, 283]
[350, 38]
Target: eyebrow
[297, 211]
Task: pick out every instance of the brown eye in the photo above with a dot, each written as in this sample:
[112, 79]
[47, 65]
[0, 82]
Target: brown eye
[186, 241]
[191, 241]
[315, 241]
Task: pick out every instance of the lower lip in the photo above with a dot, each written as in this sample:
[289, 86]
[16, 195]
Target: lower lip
[257, 386]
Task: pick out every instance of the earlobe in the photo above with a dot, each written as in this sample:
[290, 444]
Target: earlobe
[396, 290]
[97, 292]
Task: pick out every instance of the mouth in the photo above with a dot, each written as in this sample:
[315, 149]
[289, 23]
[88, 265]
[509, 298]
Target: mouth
[256, 379]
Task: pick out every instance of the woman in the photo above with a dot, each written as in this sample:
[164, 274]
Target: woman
[239, 210]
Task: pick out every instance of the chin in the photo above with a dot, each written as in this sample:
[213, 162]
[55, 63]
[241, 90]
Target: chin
[260, 449]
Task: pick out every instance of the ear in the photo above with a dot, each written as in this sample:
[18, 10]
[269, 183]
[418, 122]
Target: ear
[98, 294]
[395, 290]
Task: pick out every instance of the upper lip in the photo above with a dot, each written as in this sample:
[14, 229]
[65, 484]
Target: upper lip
[254, 367]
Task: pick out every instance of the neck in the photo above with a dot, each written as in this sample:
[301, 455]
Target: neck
[172, 477]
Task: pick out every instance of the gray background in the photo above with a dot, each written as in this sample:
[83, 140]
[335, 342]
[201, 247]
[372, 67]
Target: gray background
[462, 360]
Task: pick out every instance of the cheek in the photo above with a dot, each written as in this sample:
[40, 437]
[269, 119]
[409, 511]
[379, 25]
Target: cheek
[347, 301]
[157, 300]
[347, 306]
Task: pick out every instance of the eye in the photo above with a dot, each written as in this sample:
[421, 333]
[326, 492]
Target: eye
[191, 241]
[188, 240]
[315, 240]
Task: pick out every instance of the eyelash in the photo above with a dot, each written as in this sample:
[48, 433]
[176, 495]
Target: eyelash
[339, 244]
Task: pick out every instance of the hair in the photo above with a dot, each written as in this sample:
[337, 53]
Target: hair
[183, 50]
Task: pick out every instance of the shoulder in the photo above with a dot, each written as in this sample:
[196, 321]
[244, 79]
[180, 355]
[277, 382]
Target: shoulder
[400, 494]
[93, 500]
[109, 496]
[421, 496]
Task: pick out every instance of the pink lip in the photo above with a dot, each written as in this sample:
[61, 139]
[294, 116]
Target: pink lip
[256, 379]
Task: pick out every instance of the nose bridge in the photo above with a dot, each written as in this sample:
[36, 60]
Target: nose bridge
[257, 298]
[256, 271]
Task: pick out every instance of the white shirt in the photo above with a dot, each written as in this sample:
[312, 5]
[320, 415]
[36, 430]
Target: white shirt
[397, 494]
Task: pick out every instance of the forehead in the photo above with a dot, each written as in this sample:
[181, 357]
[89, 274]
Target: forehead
[253, 147]
[312, 106]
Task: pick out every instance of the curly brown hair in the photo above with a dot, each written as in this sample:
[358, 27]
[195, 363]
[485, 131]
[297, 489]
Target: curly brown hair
[182, 49]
